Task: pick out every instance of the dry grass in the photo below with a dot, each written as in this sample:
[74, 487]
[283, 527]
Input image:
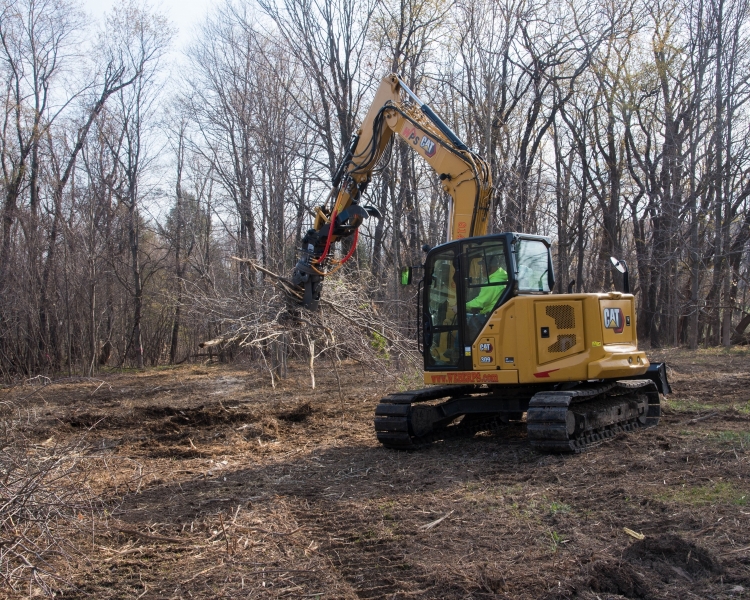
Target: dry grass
[46, 504]
[218, 485]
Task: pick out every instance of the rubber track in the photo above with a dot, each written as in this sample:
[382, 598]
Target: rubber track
[392, 418]
[547, 416]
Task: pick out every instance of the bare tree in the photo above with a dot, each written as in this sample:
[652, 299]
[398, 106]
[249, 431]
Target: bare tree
[141, 40]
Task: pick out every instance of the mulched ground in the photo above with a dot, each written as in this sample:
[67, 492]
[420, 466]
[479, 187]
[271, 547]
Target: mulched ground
[219, 486]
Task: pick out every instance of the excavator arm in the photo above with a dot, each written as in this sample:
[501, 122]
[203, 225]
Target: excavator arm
[395, 110]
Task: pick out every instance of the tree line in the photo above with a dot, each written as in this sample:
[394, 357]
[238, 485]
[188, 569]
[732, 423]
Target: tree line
[616, 128]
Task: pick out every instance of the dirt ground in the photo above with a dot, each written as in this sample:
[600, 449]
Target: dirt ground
[219, 486]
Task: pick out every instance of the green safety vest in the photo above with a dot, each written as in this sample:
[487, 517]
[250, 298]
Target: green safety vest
[489, 295]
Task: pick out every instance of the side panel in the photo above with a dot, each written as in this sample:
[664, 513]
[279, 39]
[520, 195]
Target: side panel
[559, 329]
[518, 349]
[500, 332]
[618, 319]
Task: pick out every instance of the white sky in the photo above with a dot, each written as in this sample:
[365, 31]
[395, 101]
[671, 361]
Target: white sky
[185, 16]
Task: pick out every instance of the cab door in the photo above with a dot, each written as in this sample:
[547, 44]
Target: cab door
[486, 281]
[440, 318]
[465, 281]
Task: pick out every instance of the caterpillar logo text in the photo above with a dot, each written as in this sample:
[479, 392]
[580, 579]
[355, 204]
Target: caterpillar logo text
[410, 134]
[429, 146]
[613, 319]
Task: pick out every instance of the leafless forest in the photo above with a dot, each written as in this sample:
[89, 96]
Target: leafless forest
[617, 128]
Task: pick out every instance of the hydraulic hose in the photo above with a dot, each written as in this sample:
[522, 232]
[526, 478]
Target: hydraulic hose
[331, 225]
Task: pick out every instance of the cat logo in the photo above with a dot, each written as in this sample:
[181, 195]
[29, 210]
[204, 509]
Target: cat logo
[429, 146]
[410, 135]
[613, 319]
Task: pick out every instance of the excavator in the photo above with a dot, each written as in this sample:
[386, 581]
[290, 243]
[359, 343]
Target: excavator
[497, 343]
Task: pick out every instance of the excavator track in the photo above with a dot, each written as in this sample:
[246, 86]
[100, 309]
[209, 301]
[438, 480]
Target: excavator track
[396, 424]
[572, 420]
[557, 421]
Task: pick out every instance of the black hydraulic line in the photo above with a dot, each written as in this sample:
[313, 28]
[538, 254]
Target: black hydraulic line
[372, 148]
[430, 114]
[370, 152]
[345, 162]
[447, 131]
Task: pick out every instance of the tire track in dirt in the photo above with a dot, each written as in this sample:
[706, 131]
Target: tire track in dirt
[372, 566]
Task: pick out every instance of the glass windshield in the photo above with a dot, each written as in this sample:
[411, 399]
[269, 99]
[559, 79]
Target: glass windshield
[533, 266]
[486, 278]
[440, 322]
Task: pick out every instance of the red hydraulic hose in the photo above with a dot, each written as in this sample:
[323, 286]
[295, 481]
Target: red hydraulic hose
[339, 263]
[331, 223]
[353, 248]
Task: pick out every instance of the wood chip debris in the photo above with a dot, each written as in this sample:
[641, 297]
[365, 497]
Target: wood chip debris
[634, 534]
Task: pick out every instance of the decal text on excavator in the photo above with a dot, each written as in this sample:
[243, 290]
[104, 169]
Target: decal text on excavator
[429, 147]
[461, 230]
[464, 378]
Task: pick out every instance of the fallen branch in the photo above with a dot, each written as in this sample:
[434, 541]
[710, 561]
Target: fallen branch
[203, 572]
[150, 536]
[437, 522]
[268, 319]
[703, 418]
[214, 342]
[252, 529]
[634, 534]
[286, 284]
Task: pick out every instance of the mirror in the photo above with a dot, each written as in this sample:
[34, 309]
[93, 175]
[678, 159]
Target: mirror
[619, 265]
[622, 268]
[405, 275]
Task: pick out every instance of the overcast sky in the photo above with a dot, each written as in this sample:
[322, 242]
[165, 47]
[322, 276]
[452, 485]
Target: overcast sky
[185, 15]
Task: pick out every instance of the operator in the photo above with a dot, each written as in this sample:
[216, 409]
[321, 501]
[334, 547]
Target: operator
[489, 294]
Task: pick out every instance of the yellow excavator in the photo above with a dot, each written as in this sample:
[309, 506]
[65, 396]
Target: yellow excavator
[497, 343]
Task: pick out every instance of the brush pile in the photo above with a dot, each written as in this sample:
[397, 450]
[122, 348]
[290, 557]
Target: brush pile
[349, 325]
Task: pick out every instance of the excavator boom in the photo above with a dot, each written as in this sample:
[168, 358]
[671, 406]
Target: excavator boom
[395, 110]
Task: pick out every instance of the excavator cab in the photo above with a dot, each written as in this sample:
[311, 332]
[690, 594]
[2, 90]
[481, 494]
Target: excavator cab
[466, 280]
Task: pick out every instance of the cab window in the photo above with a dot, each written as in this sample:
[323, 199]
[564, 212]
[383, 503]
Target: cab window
[440, 317]
[485, 280]
[532, 258]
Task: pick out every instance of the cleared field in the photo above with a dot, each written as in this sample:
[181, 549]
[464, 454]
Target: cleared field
[217, 485]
